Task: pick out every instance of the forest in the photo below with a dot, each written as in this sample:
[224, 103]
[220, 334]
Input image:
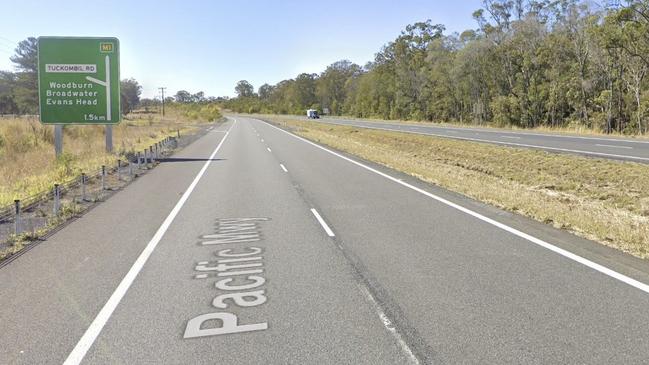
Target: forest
[528, 63]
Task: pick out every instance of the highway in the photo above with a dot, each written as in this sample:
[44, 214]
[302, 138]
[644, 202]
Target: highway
[252, 246]
[604, 147]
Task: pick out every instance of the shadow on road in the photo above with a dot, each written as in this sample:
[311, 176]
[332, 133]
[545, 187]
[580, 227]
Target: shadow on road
[163, 160]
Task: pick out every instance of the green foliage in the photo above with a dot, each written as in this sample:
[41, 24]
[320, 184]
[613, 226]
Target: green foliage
[130, 91]
[196, 111]
[529, 63]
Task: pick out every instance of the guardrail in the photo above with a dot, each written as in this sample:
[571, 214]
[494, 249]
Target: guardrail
[33, 215]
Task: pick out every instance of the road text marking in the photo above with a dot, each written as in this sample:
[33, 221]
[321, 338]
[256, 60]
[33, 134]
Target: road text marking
[242, 264]
[89, 337]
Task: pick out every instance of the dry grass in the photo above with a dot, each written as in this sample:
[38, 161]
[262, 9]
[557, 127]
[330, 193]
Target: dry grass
[28, 165]
[602, 200]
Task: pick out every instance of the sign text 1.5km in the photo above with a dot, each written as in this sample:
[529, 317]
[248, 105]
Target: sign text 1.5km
[78, 80]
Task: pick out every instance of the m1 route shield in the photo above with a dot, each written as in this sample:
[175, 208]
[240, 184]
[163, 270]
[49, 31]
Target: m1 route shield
[78, 80]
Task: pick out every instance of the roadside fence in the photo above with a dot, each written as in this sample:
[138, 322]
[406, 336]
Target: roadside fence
[32, 216]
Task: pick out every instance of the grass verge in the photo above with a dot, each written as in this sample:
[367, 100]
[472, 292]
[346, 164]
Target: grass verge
[28, 165]
[602, 200]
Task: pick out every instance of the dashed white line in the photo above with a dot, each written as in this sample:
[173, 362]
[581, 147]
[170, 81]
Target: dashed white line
[537, 241]
[613, 146]
[89, 337]
[268, 148]
[511, 137]
[283, 167]
[324, 225]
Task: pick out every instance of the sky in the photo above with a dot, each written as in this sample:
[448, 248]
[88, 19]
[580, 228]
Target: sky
[210, 45]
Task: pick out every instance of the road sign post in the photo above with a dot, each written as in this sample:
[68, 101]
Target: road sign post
[78, 82]
[58, 140]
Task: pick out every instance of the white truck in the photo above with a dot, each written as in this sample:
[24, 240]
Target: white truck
[312, 114]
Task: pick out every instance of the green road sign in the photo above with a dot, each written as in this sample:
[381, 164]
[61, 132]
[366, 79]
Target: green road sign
[78, 80]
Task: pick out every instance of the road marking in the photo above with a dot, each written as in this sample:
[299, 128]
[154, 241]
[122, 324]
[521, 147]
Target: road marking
[387, 323]
[268, 148]
[283, 167]
[89, 337]
[512, 137]
[262, 139]
[508, 143]
[567, 254]
[324, 225]
[342, 121]
[612, 146]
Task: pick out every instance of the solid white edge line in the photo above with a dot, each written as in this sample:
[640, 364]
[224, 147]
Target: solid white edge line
[593, 265]
[500, 142]
[283, 167]
[93, 331]
[619, 140]
[613, 146]
[324, 225]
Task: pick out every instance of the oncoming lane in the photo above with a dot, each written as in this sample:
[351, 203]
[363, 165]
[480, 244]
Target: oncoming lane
[602, 147]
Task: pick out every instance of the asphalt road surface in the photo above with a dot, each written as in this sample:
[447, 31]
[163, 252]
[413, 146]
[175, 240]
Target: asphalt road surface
[254, 246]
[604, 147]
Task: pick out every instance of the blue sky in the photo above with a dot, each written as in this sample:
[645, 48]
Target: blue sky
[210, 45]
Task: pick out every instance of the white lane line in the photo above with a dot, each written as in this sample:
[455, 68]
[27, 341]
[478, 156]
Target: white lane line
[612, 146]
[595, 266]
[262, 139]
[283, 167]
[268, 148]
[89, 337]
[511, 137]
[443, 128]
[324, 225]
[510, 143]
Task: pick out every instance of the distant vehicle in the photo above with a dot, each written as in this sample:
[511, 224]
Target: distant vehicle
[312, 114]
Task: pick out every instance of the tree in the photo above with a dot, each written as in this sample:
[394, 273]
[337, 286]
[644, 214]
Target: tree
[265, 91]
[331, 89]
[244, 89]
[26, 57]
[199, 97]
[130, 94]
[183, 96]
[26, 85]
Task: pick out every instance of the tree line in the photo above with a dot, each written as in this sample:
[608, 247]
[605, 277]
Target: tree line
[528, 63]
